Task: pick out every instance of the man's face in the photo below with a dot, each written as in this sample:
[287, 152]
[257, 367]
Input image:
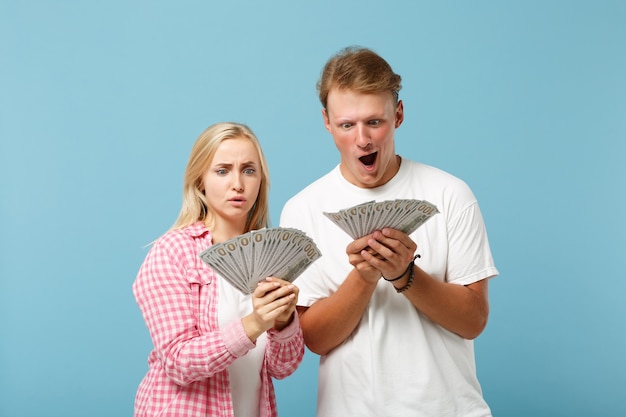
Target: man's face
[363, 127]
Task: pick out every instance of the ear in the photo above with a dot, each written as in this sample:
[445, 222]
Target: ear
[399, 114]
[326, 120]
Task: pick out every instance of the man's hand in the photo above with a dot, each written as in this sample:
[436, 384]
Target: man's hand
[389, 251]
[358, 253]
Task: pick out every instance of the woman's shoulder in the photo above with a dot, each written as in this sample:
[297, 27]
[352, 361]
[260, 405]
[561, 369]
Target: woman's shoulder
[182, 236]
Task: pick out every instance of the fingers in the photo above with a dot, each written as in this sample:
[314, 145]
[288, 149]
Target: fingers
[385, 252]
[356, 246]
[399, 236]
[274, 299]
[394, 249]
[359, 262]
[276, 287]
[355, 249]
[393, 244]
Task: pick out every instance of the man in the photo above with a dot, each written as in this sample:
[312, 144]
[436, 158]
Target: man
[393, 316]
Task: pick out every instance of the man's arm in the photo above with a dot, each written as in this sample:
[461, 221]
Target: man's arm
[328, 322]
[460, 309]
[463, 310]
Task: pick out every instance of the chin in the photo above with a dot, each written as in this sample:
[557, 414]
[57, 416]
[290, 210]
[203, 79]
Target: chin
[368, 182]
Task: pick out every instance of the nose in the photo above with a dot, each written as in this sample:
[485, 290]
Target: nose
[238, 184]
[362, 137]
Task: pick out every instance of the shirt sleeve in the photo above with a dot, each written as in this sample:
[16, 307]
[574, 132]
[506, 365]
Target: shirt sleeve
[285, 349]
[167, 292]
[469, 255]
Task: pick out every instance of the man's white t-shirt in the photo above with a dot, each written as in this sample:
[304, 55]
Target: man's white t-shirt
[397, 362]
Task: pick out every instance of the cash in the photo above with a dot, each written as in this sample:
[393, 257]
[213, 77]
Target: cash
[405, 215]
[270, 252]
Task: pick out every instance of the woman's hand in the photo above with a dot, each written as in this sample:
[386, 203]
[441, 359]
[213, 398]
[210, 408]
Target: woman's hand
[283, 319]
[273, 305]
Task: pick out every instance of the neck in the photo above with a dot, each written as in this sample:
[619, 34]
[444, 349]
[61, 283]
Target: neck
[222, 232]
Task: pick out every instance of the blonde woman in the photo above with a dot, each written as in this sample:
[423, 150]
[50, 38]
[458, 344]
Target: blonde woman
[215, 349]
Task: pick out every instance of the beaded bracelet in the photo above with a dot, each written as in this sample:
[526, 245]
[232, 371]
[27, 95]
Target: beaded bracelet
[411, 276]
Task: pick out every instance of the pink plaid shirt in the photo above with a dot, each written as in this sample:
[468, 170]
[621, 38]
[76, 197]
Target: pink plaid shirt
[188, 367]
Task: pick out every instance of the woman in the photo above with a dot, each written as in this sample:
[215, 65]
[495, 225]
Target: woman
[215, 350]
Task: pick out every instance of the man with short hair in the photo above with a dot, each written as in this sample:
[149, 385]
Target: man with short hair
[392, 315]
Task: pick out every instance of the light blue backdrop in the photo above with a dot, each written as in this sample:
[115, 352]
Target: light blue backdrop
[100, 103]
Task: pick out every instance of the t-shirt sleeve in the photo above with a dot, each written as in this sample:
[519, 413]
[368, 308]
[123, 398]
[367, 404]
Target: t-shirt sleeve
[469, 253]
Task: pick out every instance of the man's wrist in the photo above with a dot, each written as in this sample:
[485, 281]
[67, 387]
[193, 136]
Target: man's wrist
[411, 270]
[399, 277]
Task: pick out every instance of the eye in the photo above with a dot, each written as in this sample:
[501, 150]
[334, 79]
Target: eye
[221, 171]
[374, 122]
[346, 125]
[249, 171]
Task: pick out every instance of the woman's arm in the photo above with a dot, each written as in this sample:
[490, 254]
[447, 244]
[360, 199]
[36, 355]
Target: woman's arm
[285, 349]
[169, 302]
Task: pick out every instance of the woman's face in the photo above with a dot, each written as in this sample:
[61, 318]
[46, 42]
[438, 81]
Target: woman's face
[232, 181]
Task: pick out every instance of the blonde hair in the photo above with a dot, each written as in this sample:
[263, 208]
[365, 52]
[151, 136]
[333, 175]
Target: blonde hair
[359, 69]
[195, 207]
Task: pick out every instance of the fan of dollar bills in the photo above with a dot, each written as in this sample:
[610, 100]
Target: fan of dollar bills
[271, 252]
[402, 214]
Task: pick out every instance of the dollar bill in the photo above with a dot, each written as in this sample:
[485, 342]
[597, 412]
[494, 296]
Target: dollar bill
[406, 215]
[251, 257]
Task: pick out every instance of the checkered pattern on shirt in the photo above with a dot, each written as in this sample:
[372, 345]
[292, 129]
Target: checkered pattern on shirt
[188, 373]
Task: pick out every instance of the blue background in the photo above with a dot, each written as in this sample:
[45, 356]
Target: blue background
[100, 103]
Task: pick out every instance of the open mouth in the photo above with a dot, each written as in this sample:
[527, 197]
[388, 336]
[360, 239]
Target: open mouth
[369, 160]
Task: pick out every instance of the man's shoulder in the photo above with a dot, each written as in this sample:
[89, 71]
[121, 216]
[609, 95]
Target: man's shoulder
[429, 174]
[314, 191]
[426, 169]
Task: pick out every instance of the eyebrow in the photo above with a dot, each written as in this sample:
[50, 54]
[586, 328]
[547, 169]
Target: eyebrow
[344, 119]
[230, 164]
